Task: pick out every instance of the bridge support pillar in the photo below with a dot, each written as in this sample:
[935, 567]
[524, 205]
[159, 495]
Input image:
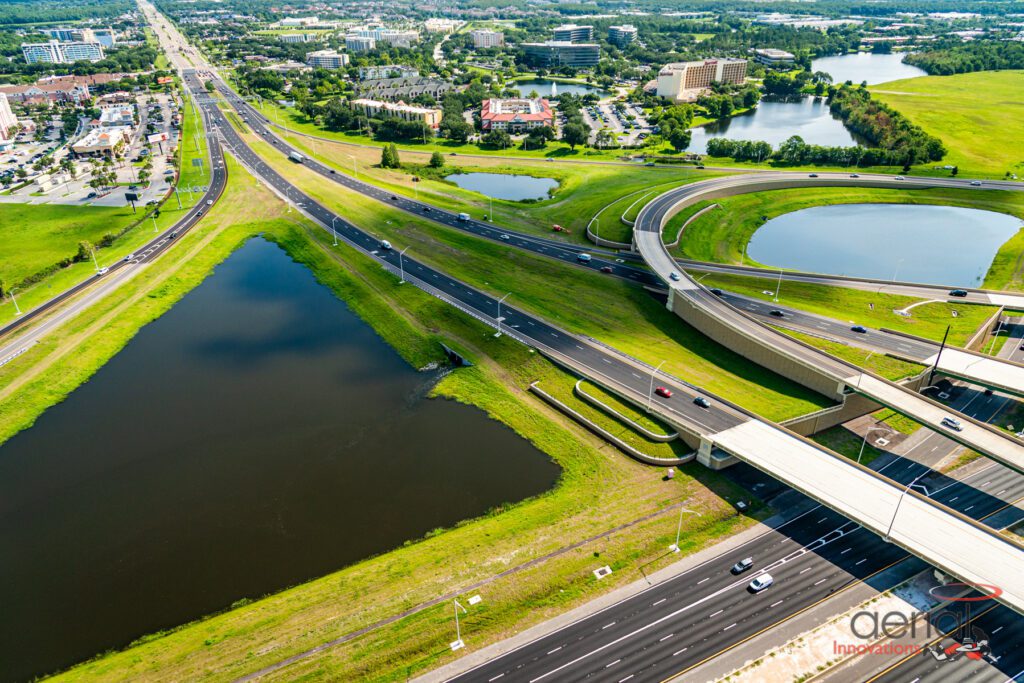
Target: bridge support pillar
[671, 298]
[704, 453]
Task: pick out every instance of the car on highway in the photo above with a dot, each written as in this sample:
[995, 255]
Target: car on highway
[584, 258]
[952, 423]
[702, 402]
[503, 236]
[958, 292]
[606, 269]
[761, 582]
[776, 313]
[742, 566]
[899, 177]
[209, 202]
[976, 183]
[394, 198]
[129, 257]
[333, 171]
[426, 209]
[663, 391]
[716, 291]
[700, 165]
[812, 175]
[855, 175]
[385, 245]
[859, 328]
[103, 271]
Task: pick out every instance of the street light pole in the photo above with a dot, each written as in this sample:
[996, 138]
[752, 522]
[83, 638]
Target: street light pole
[458, 630]
[679, 528]
[333, 231]
[153, 216]
[867, 434]
[650, 393]
[498, 334]
[898, 502]
[401, 265]
[778, 286]
[92, 250]
[897, 271]
[17, 311]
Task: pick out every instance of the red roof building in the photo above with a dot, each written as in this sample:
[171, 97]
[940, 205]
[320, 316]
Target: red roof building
[516, 115]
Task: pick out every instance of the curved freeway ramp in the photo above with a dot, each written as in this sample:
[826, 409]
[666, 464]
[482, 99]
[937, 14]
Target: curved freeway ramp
[791, 358]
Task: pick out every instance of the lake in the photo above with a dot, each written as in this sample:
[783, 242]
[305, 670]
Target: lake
[864, 66]
[930, 244]
[543, 88]
[510, 186]
[776, 121]
[257, 435]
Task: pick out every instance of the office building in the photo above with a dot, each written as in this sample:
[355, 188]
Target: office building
[401, 110]
[434, 25]
[327, 59]
[106, 37]
[561, 53]
[300, 37]
[380, 34]
[621, 36]
[359, 43]
[573, 33]
[55, 52]
[685, 81]
[483, 38]
[299, 21]
[382, 71]
[8, 121]
[773, 57]
[515, 115]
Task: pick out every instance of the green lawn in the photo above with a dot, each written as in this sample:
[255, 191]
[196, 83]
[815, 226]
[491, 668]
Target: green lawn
[842, 440]
[979, 117]
[862, 307]
[721, 235]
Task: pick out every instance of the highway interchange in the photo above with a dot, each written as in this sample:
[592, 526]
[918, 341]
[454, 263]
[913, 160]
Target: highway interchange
[819, 551]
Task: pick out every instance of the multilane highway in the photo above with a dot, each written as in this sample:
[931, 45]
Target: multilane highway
[596, 361]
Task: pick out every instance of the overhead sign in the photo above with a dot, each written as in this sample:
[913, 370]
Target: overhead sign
[157, 137]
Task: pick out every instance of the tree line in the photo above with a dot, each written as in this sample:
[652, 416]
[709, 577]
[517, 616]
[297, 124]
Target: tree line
[967, 57]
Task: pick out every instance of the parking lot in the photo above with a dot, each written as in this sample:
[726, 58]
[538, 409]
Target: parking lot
[628, 131]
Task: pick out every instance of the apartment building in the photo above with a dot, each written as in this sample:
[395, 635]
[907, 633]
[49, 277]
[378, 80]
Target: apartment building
[57, 52]
[8, 121]
[401, 110]
[483, 38]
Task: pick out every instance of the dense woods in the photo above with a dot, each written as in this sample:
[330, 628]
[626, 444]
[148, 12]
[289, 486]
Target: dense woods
[973, 56]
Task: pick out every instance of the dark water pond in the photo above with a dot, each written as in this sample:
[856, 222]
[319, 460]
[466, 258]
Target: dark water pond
[257, 435]
[932, 244]
[865, 66]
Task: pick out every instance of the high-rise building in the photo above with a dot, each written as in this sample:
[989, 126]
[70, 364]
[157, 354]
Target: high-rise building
[561, 53]
[684, 81]
[327, 59]
[55, 52]
[355, 43]
[573, 33]
[8, 121]
[621, 35]
[483, 38]
[773, 57]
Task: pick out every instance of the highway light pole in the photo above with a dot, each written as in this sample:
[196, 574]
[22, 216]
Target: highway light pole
[679, 528]
[650, 393]
[458, 630]
[354, 171]
[17, 311]
[884, 430]
[900, 500]
[778, 286]
[498, 333]
[401, 265]
[333, 231]
[897, 271]
[92, 251]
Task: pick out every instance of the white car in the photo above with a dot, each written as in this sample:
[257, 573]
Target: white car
[899, 177]
[761, 582]
[129, 257]
[952, 423]
[504, 237]
[103, 271]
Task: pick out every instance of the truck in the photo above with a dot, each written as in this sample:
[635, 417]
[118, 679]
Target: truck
[296, 157]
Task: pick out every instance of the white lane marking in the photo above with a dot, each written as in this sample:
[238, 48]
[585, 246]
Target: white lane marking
[680, 652]
[659, 602]
[803, 571]
[861, 562]
[491, 680]
[997, 630]
[555, 650]
[968, 508]
[821, 520]
[846, 551]
[953, 499]
[608, 626]
[816, 583]
[666, 638]
[716, 613]
[986, 484]
[626, 678]
[999, 493]
[728, 627]
[775, 604]
[702, 581]
[611, 664]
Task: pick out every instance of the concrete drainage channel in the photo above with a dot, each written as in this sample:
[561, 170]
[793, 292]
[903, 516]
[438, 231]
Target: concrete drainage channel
[608, 436]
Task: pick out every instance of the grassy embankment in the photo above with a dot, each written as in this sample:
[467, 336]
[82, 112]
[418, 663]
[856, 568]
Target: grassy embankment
[33, 237]
[842, 440]
[598, 490]
[580, 300]
[978, 116]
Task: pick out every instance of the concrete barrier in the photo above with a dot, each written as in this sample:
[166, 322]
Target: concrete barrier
[608, 410]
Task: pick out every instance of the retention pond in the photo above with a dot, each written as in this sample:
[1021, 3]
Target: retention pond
[257, 435]
[510, 186]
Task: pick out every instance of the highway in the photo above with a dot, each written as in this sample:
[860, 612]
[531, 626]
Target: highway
[117, 273]
[632, 378]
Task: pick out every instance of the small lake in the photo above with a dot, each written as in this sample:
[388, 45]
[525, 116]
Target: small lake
[865, 66]
[543, 88]
[257, 435]
[510, 186]
[775, 122]
[930, 244]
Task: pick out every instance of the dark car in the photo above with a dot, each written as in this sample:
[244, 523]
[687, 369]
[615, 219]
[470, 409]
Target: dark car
[702, 402]
[333, 171]
[813, 175]
[859, 328]
[394, 198]
[606, 269]
[743, 565]
[776, 313]
[716, 291]
[958, 292]
[700, 165]
[426, 209]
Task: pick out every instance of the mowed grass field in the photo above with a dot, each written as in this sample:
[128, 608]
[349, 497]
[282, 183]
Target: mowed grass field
[979, 116]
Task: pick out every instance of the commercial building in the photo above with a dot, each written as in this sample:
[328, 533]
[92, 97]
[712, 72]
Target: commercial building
[401, 110]
[300, 37]
[515, 115]
[622, 35]
[573, 33]
[561, 53]
[102, 142]
[380, 34]
[360, 43]
[299, 21]
[8, 121]
[104, 36]
[483, 38]
[382, 71]
[55, 52]
[685, 81]
[403, 88]
[773, 57]
[53, 92]
[115, 116]
[327, 59]
[435, 25]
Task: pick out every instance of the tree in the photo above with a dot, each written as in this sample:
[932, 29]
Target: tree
[389, 157]
[604, 138]
[574, 134]
[84, 251]
[497, 138]
[209, 86]
[679, 138]
[956, 169]
[456, 128]
[436, 160]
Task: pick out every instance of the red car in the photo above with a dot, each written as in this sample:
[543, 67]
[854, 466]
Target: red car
[606, 269]
[662, 391]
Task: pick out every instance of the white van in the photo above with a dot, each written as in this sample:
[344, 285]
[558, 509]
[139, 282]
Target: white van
[583, 258]
[384, 244]
[463, 216]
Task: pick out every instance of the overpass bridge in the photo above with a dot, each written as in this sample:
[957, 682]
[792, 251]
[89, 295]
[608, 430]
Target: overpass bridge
[801, 362]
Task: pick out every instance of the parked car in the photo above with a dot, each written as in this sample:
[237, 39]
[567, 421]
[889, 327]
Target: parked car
[761, 582]
[663, 391]
[702, 402]
[743, 565]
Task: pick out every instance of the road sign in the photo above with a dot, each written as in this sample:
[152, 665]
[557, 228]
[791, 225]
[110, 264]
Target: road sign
[131, 196]
[197, 162]
[157, 137]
